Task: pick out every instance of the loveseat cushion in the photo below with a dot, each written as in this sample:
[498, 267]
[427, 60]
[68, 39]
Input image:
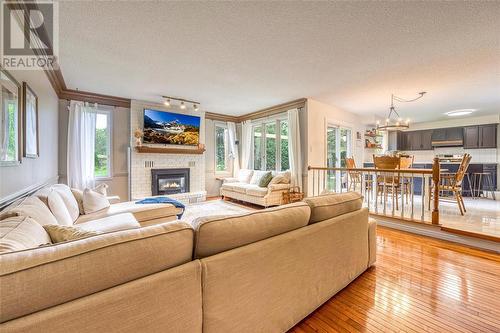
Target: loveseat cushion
[230, 186]
[111, 223]
[216, 234]
[142, 213]
[256, 191]
[56, 274]
[20, 233]
[327, 206]
[30, 206]
[242, 188]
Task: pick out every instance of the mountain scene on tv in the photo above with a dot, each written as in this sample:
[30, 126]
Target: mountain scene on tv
[170, 128]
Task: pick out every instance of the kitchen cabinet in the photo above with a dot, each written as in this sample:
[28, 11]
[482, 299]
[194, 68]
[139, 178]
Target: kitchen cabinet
[481, 136]
[417, 140]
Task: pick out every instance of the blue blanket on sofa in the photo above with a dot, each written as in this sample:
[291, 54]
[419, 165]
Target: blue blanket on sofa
[157, 200]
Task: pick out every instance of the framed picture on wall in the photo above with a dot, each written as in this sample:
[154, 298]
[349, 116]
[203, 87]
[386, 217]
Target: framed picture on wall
[10, 120]
[30, 120]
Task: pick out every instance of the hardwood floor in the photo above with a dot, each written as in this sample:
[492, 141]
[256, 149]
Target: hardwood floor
[418, 284]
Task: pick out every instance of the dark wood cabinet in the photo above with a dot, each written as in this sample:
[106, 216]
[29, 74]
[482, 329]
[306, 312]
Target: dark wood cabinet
[481, 136]
[426, 141]
[417, 140]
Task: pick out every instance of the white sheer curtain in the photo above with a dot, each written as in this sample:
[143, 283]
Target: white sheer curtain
[294, 149]
[81, 145]
[233, 148]
[246, 144]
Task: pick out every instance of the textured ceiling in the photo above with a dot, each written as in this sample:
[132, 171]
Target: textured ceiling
[242, 56]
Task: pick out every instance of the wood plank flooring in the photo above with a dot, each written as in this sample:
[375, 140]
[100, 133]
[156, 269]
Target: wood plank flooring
[418, 284]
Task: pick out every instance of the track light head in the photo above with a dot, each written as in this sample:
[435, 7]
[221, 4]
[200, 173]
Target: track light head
[182, 106]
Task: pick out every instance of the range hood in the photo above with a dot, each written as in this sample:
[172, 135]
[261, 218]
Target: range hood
[448, 137]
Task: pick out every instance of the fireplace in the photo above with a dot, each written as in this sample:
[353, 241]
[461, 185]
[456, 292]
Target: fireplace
[169, 181]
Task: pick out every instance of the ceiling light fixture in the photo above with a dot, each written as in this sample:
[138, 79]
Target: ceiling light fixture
[394, 120]
[168, 102]
[460, 112]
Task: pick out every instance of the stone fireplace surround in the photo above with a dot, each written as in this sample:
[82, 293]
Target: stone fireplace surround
[141, 164]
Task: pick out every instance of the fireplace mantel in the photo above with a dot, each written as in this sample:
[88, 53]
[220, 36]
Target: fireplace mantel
[168, 150]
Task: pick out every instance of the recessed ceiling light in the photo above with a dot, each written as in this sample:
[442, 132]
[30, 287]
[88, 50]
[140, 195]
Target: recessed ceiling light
[460, 112]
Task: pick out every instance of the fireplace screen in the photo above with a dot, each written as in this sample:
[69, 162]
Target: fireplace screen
[169, 181]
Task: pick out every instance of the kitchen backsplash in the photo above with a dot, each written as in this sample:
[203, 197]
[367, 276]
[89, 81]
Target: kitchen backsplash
[478, 155]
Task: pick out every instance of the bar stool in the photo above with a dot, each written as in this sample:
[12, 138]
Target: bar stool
[477, 178]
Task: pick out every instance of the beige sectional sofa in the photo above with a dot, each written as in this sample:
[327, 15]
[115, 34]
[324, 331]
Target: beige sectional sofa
[245, 187]
[261, 271]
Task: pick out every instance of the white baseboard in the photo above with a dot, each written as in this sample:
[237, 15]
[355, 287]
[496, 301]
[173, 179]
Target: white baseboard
[7, 200]
[439, 234]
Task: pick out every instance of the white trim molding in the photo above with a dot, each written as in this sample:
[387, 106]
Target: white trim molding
[7, 200]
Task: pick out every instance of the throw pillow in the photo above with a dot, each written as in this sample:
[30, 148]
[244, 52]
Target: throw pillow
[78, 194]
[94, 201]
[68, 199]
[30, 206]
[60, 233]
[58, 208]
[102, 188]
[266, 179]
[257, 175]
[281, 178]
[244, 175]
[20, 233]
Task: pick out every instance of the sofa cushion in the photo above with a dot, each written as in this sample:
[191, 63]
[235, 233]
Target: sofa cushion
[327, 206]
[282, 177]
[30, 206]
[59, 273]
[111, 223]
[241, 187]
[244, 175]
[256, 191]
[68, 199]
[64, 233]
[257, 176]
[20, 233]
[94, 201]
[230, 186]
[216, 234]
[141, 213]
[58, 208]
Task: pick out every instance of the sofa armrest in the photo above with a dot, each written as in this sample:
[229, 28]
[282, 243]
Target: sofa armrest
[230, 180]
[89, 265]
[113, 199]
[278, 187]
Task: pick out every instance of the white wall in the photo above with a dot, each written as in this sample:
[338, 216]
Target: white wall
[15, 180]
[118, 183]
[319, 116]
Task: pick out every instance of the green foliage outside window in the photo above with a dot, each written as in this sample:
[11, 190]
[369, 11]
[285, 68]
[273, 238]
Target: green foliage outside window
[12, 145]
[220, 148]
[102, 146]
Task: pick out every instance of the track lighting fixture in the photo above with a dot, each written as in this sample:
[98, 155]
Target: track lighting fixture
[167, 100]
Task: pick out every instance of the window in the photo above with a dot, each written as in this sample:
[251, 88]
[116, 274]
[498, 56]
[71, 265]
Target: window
[270, 145]
[102, 155]
[338, 147]
[221, 148]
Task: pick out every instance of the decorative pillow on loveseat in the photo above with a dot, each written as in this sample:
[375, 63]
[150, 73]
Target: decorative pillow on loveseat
[264, 181]
[244, 175]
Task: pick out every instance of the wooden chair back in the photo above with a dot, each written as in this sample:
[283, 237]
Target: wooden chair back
[462, 170]
[406, 162]
[387, 162]
[351, 164]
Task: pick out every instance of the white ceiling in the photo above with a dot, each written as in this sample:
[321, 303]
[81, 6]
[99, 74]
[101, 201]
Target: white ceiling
[243, 56]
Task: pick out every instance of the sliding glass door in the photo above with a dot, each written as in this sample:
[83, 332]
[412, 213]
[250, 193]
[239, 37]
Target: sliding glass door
[338, 147]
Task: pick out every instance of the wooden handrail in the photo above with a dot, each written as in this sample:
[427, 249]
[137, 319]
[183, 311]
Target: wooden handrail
[414, 171]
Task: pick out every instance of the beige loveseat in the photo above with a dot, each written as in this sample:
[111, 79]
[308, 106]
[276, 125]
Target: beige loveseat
[262, 271]
[246, 187]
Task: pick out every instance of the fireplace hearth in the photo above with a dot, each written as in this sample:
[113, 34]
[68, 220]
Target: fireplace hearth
[169, 181]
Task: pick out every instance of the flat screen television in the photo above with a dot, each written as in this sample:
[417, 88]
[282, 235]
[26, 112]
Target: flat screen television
[163, 127]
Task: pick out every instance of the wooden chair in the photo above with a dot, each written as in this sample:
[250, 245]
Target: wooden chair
[388, 180]
[452, 182]
[406, 162]
[353, 176]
